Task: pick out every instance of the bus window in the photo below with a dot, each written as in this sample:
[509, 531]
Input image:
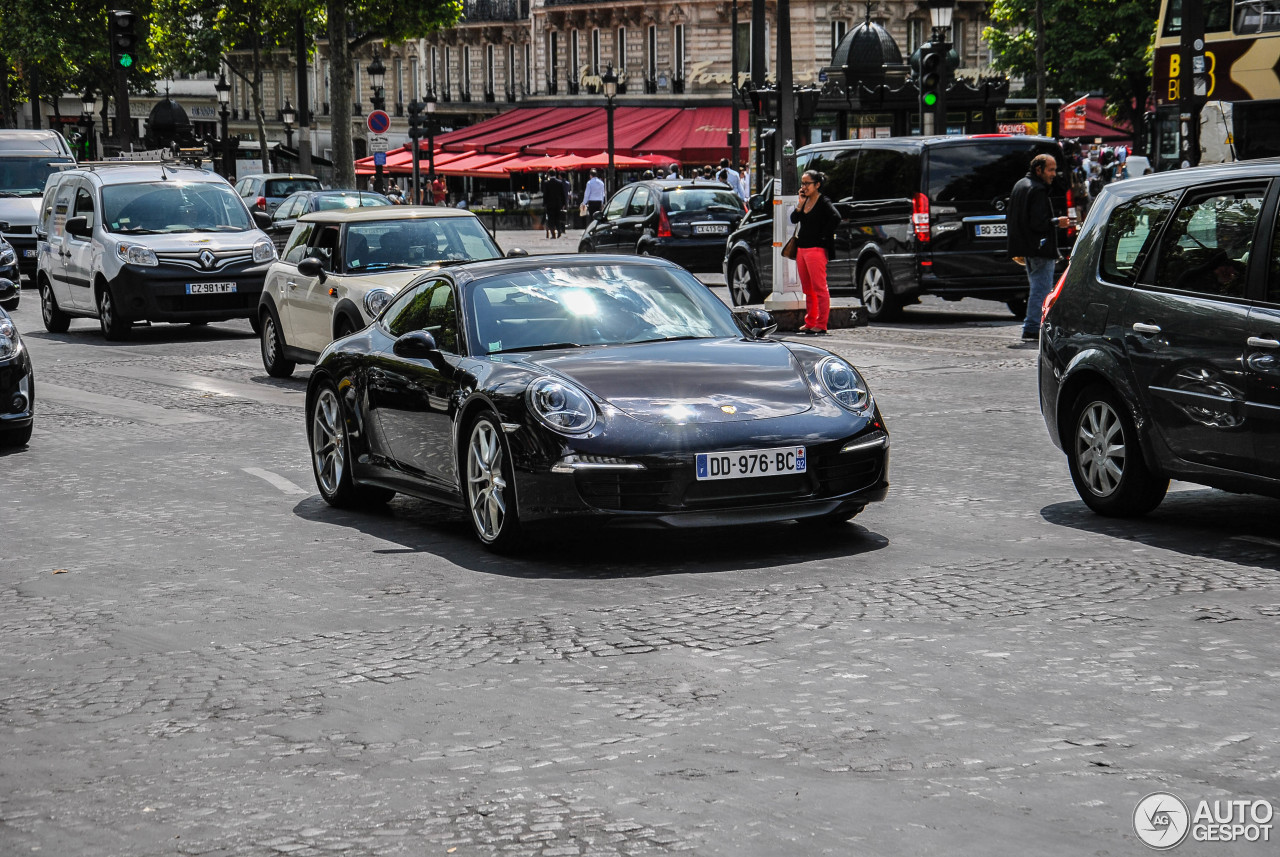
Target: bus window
[1257, 16]
[1217, 15]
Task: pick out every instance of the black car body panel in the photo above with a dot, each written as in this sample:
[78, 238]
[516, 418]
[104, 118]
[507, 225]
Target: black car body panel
[407, 421]
[17, 387]
[1192, 349]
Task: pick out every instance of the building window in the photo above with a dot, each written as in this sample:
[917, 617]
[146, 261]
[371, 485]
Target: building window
[356, 74]
[489, 72]
[620, 50]
[651, 58]
[957, 39]
[448, 77]
[677, 51]
[324, 74]
[838, 31]
[511, 68]
[595, 52]
[435, 63]
[528, 67]
[416, 85]
[554, 64]
[466, 70]
[575, 70]
[915, 35]
[398, 84]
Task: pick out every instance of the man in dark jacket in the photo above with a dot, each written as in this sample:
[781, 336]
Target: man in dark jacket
[1033, 236]
[553, 200]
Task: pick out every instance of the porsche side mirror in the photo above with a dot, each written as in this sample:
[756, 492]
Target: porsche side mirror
[516, 251]
[421, 345]
[262, 220]
[311, 267]
[79, 227]
[759, 323]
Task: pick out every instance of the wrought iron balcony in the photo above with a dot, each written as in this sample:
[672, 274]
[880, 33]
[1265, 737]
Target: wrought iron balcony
[495, 10]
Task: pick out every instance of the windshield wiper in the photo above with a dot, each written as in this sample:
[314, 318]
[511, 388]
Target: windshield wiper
[548, 347]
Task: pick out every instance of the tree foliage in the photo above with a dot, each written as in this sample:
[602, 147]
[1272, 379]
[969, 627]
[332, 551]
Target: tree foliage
[1090, 46]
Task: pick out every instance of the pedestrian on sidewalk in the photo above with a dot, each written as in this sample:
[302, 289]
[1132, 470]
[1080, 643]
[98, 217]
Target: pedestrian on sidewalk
[1033, 236]
[439, 193]
[593, 196]
[553, 199]
[818, 220]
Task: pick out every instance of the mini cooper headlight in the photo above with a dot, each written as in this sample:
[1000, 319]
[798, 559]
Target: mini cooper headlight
[844, 384]
[560, 406]
[9, 340]
[376, 301]
[136, 254]
[264, 251]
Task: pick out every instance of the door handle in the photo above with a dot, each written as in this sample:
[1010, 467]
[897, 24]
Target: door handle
[1258, 342]
[1146, 329]
[293, 284]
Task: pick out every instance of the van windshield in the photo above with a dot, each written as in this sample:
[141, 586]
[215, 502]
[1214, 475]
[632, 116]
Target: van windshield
[25, 176]
[155, 207]
[983, 169]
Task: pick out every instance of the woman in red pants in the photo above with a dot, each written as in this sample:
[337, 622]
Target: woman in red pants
[815, 240]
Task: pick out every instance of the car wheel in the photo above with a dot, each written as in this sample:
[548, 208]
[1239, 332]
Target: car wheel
[114, 328]
[55, 320]
[876, 292]
[1106, 460]
[331, 455]
[273, 359]
[1017, 306]
[16, 437]
[744, 287]
[490, 489]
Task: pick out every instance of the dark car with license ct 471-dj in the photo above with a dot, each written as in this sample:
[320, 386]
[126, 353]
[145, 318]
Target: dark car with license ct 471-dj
[1160, 345]
[611, 389]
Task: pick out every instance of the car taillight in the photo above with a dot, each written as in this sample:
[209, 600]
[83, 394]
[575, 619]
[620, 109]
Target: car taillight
[920, 216]
[1053, 295]
[1071, 213]
[664, 225]
[261, 203]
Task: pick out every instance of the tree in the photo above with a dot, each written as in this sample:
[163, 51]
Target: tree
[354, 23]
[1090, 46]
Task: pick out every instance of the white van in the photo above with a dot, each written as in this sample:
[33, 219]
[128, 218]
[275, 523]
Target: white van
[27, 159]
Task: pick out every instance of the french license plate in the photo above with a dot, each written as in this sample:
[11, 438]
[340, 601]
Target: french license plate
[210, 288]
[710, 229]
[29, 254]
[756, 462]
[991, 230]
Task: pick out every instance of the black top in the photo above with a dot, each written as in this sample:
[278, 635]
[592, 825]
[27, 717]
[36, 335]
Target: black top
[553, 195]
[818, 225]
[1030, 220]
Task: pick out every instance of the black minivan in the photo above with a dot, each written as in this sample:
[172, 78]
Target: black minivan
[921, 215]
[1160, 345]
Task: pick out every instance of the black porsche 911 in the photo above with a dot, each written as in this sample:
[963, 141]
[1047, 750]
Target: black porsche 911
[562, 388]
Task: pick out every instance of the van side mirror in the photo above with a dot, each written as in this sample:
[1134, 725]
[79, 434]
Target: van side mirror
[79, 227]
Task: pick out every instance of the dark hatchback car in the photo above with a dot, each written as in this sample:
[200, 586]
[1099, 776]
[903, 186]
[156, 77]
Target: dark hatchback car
[17, 382]
[281, 223]
[683, 220]
[1160, 346]
[920, 215]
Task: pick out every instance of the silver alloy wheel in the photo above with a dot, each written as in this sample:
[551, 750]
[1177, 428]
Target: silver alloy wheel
[1100, 448]
[740, 283]
[485, 483]
[271, 339]
[105, 311]
[328, 441]
[46, 305]
[873, 289]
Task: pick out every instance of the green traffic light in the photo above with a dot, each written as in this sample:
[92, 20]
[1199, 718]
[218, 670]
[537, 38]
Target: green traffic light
[930, 99]
[126, 60]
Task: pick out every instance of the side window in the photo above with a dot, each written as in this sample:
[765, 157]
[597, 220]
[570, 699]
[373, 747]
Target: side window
[295, 249]
[839, 168]
[84, 205]
[639, 202]
[288, 209]
[411, 310]
[62, 199]
[883, 174]
[617, 206]
[1207, 245]
[1131, 233]
[325, 246]
[442, 317]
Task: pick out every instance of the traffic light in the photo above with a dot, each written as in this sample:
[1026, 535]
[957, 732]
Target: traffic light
[931, 60]
[416, 131]
[124, 39]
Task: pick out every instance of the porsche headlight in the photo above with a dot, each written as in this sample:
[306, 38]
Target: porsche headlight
[136, 254]
[264, 251]
[560, 406]
[376, 301]
[9, 340]
[844, 384]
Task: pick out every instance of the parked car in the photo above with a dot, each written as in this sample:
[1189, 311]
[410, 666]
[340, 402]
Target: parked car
[9, 271]
[27, 159]
[342, 266]
[1160, 346]
[281, 223]
[920, 215]
[559, 389]
[683, 220]
[126, 242]
[265, 192]
[17, 381]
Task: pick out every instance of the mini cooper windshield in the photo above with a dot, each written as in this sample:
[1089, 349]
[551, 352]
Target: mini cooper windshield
[380, 245]
[173, 206]
[579, 306]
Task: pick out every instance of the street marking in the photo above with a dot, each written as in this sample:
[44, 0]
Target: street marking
[285, 486]
[116, 407]
[262, 393]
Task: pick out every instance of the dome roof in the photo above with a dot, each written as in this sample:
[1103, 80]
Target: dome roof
[864, 53]
[167, 123]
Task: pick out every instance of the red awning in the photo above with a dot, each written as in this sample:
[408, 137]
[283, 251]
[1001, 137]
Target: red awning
[699, 135]
[479, 166]
[1087, 118]
[400, 162]
[620, 162]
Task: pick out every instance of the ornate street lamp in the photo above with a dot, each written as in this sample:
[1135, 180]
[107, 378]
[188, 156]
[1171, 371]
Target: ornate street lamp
[287, 115]
[89, 106]
[429, 104]
[224, 113]
[610, 81]
[377, 73]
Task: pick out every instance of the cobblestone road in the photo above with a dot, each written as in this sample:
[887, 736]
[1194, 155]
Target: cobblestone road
[201, 658]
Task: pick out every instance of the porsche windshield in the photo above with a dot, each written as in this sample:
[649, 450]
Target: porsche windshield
[172, 206]
[593, 305]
